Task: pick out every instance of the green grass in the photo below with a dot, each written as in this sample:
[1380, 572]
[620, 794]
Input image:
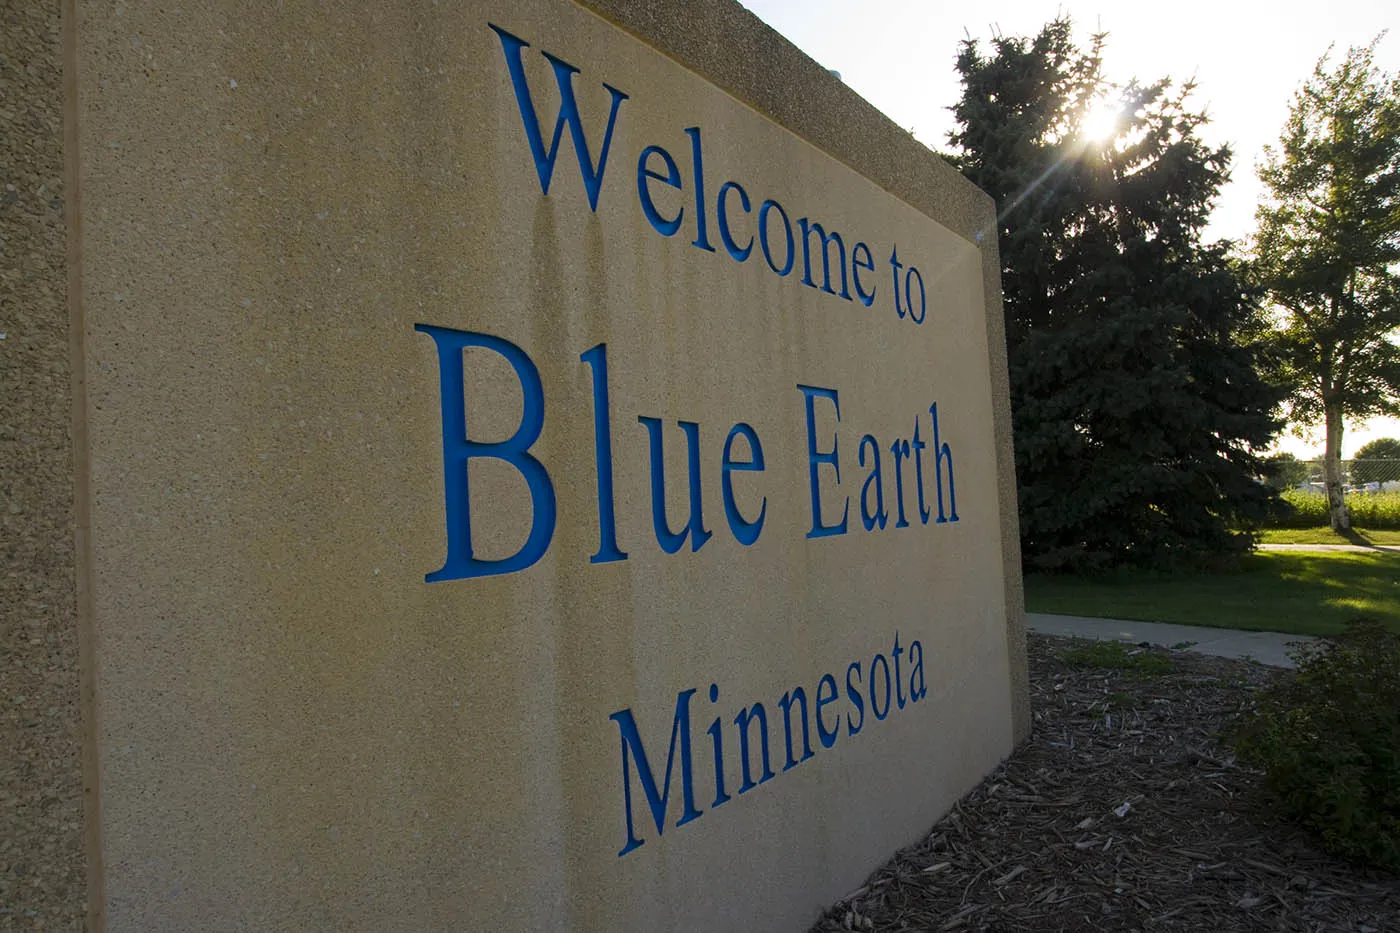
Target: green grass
[1296, 592]
[1116, 656]
[1325, 535]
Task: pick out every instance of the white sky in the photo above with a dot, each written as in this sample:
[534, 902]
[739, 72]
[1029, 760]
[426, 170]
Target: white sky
[1247, 59]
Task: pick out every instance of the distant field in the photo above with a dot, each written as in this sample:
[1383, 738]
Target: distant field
[1374, 510]
[1297, 592]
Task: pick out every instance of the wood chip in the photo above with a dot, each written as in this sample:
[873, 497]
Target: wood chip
[1204, 852]
[1012, 875]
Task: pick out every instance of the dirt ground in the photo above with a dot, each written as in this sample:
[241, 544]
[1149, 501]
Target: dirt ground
[1125, 811]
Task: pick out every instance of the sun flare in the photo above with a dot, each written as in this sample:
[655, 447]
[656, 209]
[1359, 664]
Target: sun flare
[1101, 122]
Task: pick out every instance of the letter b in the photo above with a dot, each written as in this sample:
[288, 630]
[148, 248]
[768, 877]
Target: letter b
[458, 451]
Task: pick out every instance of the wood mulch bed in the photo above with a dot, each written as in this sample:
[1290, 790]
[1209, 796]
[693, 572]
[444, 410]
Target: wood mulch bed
[1124, 811]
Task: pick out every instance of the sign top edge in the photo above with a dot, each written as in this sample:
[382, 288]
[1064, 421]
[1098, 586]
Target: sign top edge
[733, 49]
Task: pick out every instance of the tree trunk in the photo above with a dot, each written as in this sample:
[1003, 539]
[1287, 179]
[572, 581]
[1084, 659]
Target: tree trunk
[1332, 471]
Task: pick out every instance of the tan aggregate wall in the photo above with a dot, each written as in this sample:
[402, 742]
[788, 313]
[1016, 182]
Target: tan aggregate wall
[291, 729]
[41, 835]
[736, 51]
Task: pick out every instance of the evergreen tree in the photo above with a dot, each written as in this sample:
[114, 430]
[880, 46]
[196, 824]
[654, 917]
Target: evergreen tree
[1136, 403]
[1327, 250]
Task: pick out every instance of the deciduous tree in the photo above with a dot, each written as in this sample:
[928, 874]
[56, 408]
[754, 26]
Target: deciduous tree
[1376, 462]
[1327, 250]
[1285, 471]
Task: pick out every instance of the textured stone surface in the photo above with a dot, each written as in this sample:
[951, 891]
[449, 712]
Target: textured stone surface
[292, 730]
[735, 50]
[41, 848]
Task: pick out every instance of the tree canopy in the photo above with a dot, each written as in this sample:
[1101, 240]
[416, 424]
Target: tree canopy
[1285, 471]
[1377, 462]
[1136, 404]
[1327, 250]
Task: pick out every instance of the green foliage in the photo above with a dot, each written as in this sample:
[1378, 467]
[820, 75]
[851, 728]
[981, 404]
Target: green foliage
[1328, 740]
[1119, 701]
[1379, 510]
[1116, 656]
[1376, 510]
[1382, 448]
[1135, 401]
[1366, 469]
[1328, 249]
[1284, 471]
[1328, 235]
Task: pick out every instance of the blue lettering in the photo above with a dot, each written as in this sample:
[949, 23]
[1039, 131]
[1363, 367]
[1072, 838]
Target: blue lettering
[866, 298]
[916, 672]
[898, 684]
[826, 695]
[791, 256]
[738, 253]
[757, 714]
[671, 541]
[632, 748]
[919, 446]
[568, 113]
[458, 450]
[716, 737]
[884, 688]
[900, 449]
[597, 360]
[808, 227]
[672, 177]
[853, 694]
[940, 451]
[909, 299]
[874, 703]
[895, 267]
[745, 532]
[816, 459]
[879, 516]
[702, 236]
[797, 696]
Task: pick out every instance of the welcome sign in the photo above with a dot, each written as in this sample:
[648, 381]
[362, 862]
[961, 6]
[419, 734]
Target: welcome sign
[529, 486]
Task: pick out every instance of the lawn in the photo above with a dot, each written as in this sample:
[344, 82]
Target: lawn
[1326, 535]
[1296, 592]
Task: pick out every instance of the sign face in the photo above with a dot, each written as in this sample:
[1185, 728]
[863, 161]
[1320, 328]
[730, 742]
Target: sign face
[529, 488]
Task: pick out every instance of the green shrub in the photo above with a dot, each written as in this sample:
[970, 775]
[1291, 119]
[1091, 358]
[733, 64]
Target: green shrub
[1373, 510]
[1328, 740]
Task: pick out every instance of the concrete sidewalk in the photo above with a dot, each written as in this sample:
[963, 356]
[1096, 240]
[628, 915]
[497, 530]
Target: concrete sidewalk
[1265, 647]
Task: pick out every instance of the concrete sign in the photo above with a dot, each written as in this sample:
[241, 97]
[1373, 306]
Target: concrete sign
[539, 466]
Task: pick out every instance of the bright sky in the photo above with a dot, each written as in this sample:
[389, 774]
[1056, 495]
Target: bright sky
[1247, 59]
